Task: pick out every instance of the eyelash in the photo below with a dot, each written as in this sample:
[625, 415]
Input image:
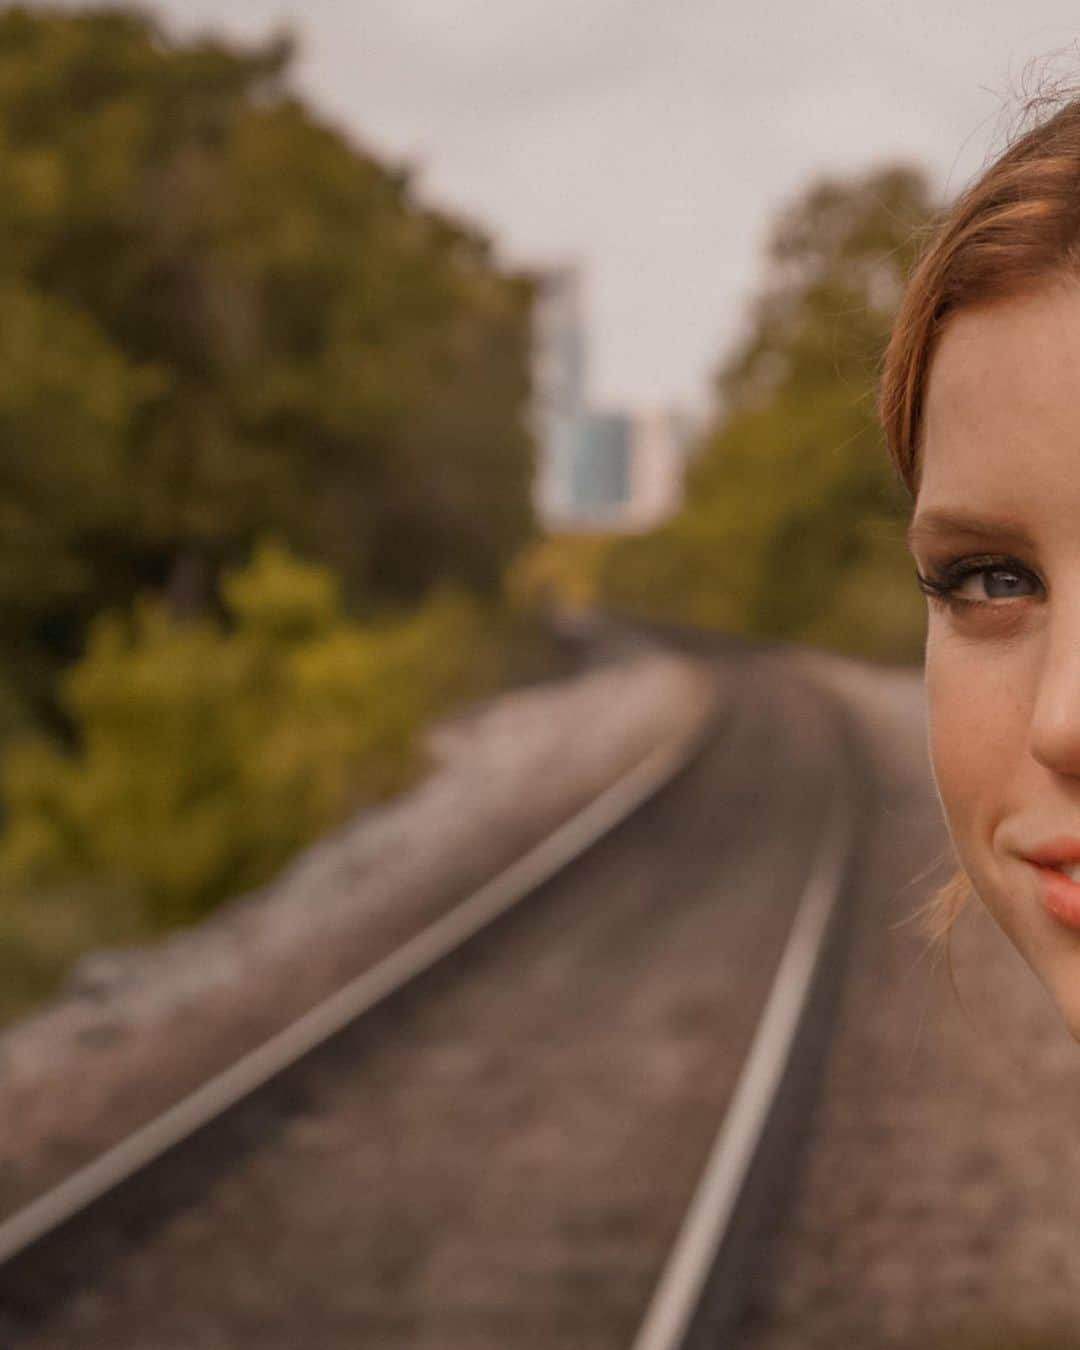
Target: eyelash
[950, 577]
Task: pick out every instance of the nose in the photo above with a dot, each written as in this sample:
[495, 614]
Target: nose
[1055, 720]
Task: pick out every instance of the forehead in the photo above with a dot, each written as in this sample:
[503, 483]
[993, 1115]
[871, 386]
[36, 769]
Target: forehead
[1002, 412]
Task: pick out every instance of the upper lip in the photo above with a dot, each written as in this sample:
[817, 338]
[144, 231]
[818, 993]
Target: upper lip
[1056, 852]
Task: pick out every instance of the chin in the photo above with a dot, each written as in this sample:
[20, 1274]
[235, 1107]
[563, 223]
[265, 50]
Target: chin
[1050, 951]
[1052, 955]
[1062, 983]
[1070, 1014]
[1068, 1005]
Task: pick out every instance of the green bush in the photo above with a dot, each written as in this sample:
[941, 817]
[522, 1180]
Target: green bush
[209, 752]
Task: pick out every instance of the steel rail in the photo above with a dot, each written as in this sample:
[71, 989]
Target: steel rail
[53, 1210]
[712, 1256]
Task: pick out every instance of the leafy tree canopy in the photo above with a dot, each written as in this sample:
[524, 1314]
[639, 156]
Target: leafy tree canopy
[221, 316]
[792, 520]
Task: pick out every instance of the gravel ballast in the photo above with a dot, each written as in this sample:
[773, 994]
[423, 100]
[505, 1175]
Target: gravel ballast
[941, 1199]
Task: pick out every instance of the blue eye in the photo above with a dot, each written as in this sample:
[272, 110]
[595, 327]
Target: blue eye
[980, 581]
[996, 583]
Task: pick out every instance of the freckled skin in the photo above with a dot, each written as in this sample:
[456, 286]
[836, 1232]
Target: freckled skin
[1002, 438]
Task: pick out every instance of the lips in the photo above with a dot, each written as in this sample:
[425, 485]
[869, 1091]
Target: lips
[1060, 894]
[1056, 852]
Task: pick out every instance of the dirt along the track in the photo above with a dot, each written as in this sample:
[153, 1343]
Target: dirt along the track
[940, 1208]
[502, 1157]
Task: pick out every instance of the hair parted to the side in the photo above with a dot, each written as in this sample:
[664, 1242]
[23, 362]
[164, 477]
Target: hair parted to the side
[1015, 229]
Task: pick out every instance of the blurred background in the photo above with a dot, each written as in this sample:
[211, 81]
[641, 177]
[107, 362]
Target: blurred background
[351, 354]
[342, 344]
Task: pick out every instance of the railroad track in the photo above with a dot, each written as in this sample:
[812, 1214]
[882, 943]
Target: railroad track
[514, 1116]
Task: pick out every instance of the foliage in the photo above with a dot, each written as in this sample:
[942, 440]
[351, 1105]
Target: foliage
[42, 935]
[219, 317]
[559, 571]
[208, 754]
[792, 521]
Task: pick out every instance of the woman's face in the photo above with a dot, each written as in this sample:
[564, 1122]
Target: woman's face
[997, 524]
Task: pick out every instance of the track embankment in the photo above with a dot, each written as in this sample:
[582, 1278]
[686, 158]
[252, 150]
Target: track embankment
[504, 1153]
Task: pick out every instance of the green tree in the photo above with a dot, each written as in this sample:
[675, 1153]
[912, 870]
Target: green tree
[792, 524]
[68, 401]
[244, 322]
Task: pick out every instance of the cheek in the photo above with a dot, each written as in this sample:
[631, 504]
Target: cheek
[976, 733]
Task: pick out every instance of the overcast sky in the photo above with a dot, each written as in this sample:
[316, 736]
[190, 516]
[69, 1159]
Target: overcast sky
[653, 140]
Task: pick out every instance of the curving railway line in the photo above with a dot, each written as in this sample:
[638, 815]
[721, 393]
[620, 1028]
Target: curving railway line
[574, 1122]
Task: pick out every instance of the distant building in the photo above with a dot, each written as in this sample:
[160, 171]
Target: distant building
[596, 469]
[602, 469]
[559, 408]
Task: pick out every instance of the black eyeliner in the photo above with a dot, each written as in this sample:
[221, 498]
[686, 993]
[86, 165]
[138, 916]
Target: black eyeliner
[952, 575]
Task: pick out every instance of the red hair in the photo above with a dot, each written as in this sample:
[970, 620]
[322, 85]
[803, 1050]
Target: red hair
[1014, 230]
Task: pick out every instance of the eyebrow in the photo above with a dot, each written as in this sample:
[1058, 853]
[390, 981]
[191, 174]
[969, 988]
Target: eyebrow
[928, 525]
